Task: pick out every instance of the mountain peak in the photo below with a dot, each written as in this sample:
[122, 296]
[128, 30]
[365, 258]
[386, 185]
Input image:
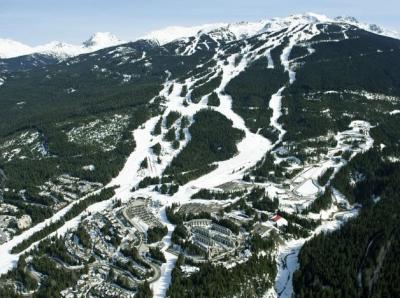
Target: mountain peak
[245, 29]
[219, 31]
[171, 33]
[368, 27]
[101, 39]
[347, 19]
[11, 48]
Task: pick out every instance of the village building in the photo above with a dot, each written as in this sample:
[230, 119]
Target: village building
[279, 221]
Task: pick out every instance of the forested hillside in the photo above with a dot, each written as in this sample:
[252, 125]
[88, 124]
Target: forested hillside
[242, 160]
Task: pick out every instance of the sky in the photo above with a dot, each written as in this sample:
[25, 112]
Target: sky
[35, 22]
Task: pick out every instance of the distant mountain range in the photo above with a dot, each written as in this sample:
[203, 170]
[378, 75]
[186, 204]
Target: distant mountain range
[227, 31]
[245, 29]
[10, 48]
[268, 154]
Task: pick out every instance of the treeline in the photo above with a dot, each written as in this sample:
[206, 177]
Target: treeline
[19, 274]
[144, 291]
[241, 205]
[324, 178]
[306, 223]
[298, 227]
[180, 237]
[169, 189]
[183, 178]
[84, 237]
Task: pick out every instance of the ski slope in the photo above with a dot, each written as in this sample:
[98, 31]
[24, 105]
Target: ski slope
[250, 150]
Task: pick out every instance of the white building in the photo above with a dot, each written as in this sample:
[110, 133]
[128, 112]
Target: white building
[279, 221]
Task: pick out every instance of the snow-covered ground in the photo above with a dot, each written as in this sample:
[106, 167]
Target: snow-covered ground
[289, 252]
[254, 146]
[8, 260]
[245, 29]
[161, 285]
[332, 219]
[27, 144]
[103, 133]
[251, 149]
[308, 188]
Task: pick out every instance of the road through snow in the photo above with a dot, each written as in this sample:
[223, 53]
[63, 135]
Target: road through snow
[251, 148]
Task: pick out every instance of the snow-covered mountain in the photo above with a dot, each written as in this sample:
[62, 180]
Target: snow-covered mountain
[236, 30]
[219, 31]
[368, 27]
[281, 131]
[246, 29]
[10, 48]
[102, 40]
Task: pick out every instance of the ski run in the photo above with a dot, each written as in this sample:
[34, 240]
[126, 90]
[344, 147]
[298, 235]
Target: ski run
[251, 149]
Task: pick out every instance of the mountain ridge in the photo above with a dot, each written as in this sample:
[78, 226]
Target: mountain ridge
[284, 135]
[248, 29]
[232, 31]
[99, 40]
